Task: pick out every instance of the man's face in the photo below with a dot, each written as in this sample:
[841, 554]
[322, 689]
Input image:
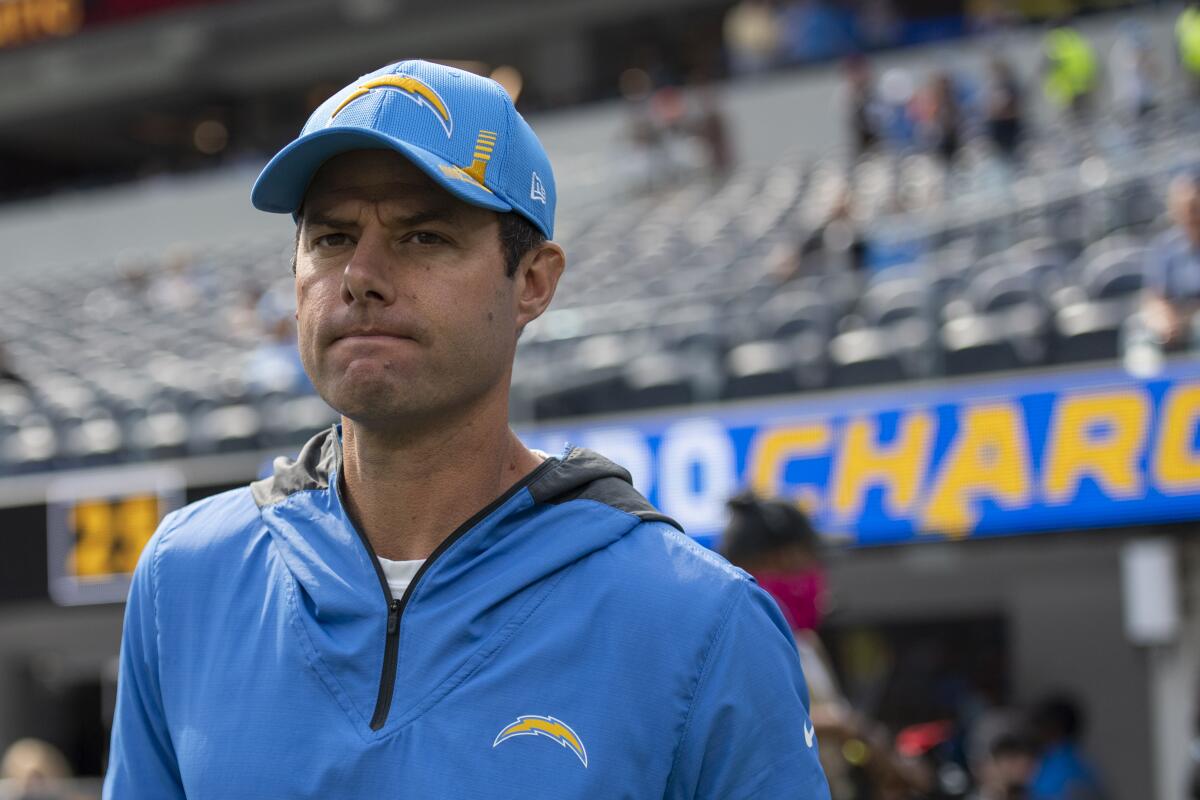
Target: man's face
[404, 309]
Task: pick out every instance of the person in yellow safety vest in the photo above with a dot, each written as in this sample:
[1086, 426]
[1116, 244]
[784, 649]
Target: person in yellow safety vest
[1070, 69]
[1187, 42]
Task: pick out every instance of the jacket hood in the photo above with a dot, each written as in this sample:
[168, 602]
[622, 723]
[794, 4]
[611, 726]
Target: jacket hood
[486, 577]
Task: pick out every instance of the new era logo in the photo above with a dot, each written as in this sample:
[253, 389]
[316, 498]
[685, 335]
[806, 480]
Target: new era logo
[537, 191]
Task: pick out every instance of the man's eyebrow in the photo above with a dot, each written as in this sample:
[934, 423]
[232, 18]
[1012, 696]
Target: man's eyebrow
[328, 220]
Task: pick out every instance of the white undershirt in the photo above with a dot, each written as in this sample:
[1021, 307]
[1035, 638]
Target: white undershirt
[399, 574]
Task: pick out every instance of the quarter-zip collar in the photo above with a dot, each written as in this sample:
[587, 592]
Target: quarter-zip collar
[482, 581]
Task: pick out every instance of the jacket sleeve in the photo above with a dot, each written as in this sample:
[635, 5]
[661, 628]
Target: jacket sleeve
[748, 733]
[141, 760]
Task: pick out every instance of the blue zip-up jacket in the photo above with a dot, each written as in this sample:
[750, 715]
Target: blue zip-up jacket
[565, 642]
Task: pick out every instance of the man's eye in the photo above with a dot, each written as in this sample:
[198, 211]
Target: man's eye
[332, 240]
[426, 237]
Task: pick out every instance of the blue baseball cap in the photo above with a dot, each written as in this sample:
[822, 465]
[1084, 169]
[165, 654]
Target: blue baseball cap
[459, 128]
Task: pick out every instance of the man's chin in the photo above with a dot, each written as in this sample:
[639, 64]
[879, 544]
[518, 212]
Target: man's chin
[371, 399]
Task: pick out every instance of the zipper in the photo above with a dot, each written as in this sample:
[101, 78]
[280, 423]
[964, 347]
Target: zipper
[395, 607]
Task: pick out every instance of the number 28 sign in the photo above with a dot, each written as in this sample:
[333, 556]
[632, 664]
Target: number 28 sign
[97, 526]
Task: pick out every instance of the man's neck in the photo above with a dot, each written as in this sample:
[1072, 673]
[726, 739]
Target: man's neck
[409, 492]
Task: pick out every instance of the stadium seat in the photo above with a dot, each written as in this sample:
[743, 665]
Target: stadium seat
[1089, 330]
[1090, 316]
[864, 356]
[659, 379]
[158, 431]
[293, 420]
[226, 428]
[759, 368]
[92, 440]
[31, 446]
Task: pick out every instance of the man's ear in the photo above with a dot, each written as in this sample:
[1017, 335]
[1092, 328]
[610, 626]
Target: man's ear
[537, 279]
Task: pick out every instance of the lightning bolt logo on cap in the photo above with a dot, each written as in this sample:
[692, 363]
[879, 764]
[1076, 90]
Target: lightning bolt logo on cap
[533, 725]
[412, 88]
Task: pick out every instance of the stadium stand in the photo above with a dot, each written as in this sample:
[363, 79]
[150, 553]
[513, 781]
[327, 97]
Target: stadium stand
[671, 299]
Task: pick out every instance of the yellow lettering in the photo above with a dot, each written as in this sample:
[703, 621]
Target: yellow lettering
[1111, 458]
[773, 449]
[898, 467]
[1176, 463]
[989, 457]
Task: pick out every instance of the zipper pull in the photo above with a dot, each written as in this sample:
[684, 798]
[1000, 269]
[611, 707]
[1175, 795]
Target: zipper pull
[393, 616]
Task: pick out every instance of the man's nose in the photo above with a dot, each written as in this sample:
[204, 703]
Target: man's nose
[368, 277]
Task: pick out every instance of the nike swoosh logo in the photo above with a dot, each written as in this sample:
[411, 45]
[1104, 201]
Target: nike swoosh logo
[809, 733]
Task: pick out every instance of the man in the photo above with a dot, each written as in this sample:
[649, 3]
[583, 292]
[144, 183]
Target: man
[1069, 69]
[1173, 268]
[419, 606]
[1187, 46]
[1002, 759]
[1062, 771]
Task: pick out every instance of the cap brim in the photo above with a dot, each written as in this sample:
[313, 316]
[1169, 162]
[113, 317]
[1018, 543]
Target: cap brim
[282, 184]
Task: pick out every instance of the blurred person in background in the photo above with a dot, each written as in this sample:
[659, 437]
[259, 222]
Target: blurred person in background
[175, 286]
[641, 139]
[897, 98]
[837, 243]
[1132, 73]
[752, 37]
[1003, 108]
[708, 124]
[863, 106]
[939, 118]
[1187, 46]
[241, 318]
[774, 541]
[1006, 770]
[1000, 754]
[1070, 70]
[274, 365]
[1172, 270]
[659, 142]
[1062, 771]
[34, 770]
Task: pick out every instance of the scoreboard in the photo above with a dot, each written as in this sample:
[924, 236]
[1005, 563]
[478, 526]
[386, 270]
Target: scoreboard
[97, 525]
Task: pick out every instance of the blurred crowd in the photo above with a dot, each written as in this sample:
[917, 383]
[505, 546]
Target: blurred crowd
[971, 124]
[761, 35]
[261, 318]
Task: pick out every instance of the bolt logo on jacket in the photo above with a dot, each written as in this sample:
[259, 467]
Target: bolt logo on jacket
[532, 725]
[264, 656]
